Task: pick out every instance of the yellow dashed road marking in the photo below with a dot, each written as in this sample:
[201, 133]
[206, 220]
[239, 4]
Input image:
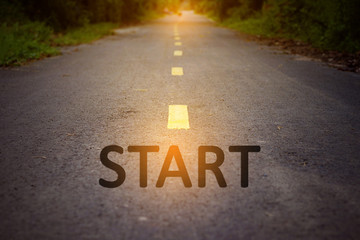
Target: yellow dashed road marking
[178, 53]
[177, 71]
[178, 114]
[178, 117]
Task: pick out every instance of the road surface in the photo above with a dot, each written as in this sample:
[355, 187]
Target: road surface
[58, 114]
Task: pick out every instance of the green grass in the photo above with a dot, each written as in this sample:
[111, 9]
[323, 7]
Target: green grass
[259, 26]
[268, 28]
[84, 34]
[20, 43]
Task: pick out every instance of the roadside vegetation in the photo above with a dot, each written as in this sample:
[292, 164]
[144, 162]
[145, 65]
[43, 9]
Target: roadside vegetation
[85, 34]
[33, 29]
[325, 24]
[20, 42]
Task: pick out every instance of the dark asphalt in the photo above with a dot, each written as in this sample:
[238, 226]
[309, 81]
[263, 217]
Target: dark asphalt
[57, 114]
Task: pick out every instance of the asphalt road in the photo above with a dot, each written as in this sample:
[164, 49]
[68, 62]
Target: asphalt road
[57, 114]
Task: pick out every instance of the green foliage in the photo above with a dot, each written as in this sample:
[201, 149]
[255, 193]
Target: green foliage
[64, 14]
[223, 9]
[59, 14]
[103, 11]
[21, 42]
[85, 34]
[11, 11]
[327, 24]
[27, 26]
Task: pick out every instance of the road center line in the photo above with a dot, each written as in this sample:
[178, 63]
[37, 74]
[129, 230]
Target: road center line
[178, 53]
[178, 117]
[177, 71]
[177, 44]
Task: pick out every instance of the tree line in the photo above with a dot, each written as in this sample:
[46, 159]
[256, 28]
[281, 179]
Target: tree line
[63, 14]
[332, 24]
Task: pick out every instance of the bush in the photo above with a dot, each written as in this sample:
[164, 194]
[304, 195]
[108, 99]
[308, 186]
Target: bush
[84, 34]
[27, 26]
[327, 24]
[20, 42]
